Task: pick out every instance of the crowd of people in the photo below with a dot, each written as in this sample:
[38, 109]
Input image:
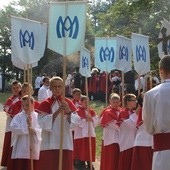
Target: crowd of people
[132, 135]
[99, 80]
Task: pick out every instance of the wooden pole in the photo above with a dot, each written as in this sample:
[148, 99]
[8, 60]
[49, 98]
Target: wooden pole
[123, 84]
[150, 80]
[63, 99]
[139, 84]
[25, 74]
[89, 129]
[106, 87]
[62, 117]
[30, 123]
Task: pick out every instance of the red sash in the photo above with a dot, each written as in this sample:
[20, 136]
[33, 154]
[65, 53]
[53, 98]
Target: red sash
[161, 141]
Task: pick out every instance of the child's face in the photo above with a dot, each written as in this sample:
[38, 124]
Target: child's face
[77, 96]
[56, 87]
[84, 103]
[16, 89]
[132, 103]
[25, 106]
[115, 103]
[25, 91]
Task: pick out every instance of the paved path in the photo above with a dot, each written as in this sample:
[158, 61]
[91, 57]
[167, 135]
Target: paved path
[2, 130]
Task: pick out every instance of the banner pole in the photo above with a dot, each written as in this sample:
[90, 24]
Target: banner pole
[30, 120]
[89, 130]
[63, 99]
[123, 90]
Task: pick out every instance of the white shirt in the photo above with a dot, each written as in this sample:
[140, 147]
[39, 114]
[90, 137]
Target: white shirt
[38, 82]
[142, 83]
[20, 136]
[43, 93]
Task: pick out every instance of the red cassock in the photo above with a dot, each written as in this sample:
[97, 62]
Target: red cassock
[109, 157]
[142, 158]
[102, 84]
[17, 107]
[49, 159]
[93, 84]
[22, 164]
[82, 145]
[7, 138]
[109, 153]
[142, 155]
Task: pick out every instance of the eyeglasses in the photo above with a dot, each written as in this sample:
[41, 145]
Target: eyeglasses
[133, 100]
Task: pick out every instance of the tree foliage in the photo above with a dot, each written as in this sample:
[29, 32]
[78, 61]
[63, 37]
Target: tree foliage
[104, 18]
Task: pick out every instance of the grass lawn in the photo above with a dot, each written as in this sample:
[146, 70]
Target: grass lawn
[97, 106]
[4, 96]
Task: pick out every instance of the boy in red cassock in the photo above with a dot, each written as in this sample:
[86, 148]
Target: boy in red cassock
[16, 89]
[84, 129]
[110, 146]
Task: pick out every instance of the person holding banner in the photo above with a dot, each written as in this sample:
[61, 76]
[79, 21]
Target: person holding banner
[21, 132]
[142, 150]
[156, 116]
[16, 89]
[50, 111]
[127, 132]
[110, 147]
[81, 135]
[17, 107]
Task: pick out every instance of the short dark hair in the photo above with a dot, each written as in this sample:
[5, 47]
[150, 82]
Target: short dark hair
[16, 82]
[164, 64]
[45, 78]
[128, 98]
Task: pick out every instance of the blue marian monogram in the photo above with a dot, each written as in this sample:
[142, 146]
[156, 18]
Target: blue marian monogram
[85, 62]
[26, 38]
[106, 54]
[140, 53]
[66, 25]
[123, 53]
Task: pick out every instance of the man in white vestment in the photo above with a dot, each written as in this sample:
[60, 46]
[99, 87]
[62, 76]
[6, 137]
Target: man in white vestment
[156, 116]
[44, 92]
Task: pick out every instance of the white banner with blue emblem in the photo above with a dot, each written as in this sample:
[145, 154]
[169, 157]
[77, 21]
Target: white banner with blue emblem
[123, 60]
[105, 53]
[67, 24]
[85, 63]
[28, 39]
[141, 55]
[163, 39]
[17, 62]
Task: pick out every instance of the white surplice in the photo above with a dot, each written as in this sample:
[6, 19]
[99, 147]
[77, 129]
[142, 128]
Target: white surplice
[20, 136]
[156, 116]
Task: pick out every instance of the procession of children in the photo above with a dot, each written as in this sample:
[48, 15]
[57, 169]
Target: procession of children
[123, 146]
